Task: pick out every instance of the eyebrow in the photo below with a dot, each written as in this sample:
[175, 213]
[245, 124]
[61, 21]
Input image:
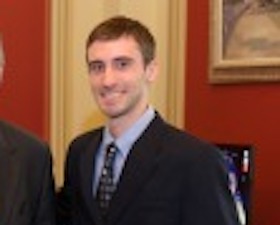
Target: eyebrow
[93, 62]
[123, 58]
[119, 58]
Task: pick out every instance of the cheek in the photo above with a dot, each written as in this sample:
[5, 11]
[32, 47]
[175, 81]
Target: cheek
[135, 83]
[94, 88]
[93, 82]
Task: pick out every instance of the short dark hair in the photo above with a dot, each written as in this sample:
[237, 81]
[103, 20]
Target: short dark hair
[119, 26]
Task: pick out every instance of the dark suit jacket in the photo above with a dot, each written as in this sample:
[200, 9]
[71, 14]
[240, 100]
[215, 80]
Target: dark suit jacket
[26, 184]
[170, 178]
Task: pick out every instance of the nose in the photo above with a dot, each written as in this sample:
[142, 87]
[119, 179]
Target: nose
[109, 77]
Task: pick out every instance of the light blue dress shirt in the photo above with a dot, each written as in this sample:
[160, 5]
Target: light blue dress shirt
[124, 144]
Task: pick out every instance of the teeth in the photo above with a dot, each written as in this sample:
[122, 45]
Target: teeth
[110, 95]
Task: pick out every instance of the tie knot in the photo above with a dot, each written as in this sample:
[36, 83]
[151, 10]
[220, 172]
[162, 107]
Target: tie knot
[110, 155]
[111, 150]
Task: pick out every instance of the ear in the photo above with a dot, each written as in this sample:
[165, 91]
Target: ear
[152, 70]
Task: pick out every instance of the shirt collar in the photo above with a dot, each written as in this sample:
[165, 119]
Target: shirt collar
[126, 140]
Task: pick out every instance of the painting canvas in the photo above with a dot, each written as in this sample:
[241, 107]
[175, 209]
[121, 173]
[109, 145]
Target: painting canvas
[245, 33]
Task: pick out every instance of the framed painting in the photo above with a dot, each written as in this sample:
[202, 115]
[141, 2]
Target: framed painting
[245, 34]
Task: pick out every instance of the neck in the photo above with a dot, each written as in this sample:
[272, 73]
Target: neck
[119, 125]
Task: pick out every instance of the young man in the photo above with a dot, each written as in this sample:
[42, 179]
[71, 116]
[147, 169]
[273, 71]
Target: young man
[154, 173]
[26, 183]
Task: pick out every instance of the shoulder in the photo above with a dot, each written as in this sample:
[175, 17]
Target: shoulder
[192, 154]
[182, 143]
[85, 138]
[19, 139]
[80, 143]
[171, 135]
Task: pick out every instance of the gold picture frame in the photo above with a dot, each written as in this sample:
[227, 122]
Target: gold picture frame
[245, 41]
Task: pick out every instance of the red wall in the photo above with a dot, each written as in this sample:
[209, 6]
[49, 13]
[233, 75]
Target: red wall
[243, 113]
[23, 95]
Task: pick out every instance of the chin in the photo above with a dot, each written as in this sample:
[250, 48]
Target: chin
[112, 113]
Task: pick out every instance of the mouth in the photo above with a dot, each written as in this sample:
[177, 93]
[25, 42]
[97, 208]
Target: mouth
[111, 97]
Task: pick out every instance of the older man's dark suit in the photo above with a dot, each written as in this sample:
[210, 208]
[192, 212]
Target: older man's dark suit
[170, 178]
[26, 185]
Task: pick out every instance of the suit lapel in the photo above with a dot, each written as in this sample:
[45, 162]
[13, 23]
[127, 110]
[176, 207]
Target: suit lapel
[87, 166]
[139, 168]
[10, 169]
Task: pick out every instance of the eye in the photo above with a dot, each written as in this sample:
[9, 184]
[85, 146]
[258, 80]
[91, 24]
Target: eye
[96, 67]
[122, 63]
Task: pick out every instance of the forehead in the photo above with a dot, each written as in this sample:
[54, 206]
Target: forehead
[104, 49]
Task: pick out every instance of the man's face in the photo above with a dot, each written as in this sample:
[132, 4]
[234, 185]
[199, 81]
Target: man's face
[118, 77]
